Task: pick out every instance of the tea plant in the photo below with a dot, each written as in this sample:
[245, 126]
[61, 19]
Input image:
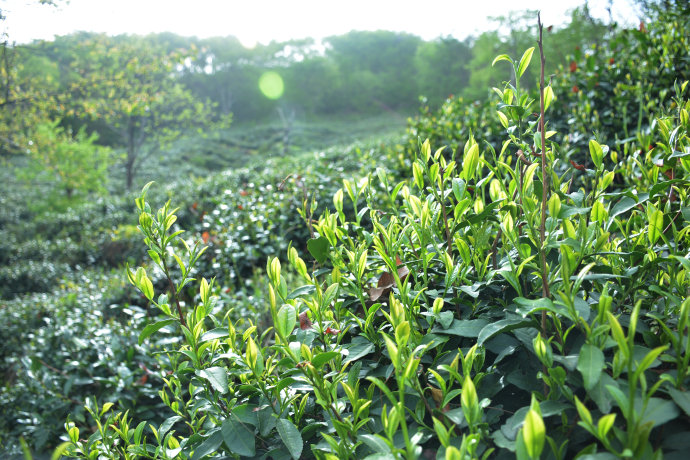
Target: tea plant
[496, 303]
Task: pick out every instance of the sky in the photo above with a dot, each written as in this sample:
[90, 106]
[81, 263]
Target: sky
[262, 21]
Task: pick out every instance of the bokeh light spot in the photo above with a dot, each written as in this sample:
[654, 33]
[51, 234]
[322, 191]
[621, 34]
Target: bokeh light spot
[271, 85]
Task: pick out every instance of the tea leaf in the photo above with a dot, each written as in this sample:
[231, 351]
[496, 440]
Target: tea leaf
[590, 364]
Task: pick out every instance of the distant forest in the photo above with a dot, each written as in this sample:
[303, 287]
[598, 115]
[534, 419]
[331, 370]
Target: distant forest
[359, 72]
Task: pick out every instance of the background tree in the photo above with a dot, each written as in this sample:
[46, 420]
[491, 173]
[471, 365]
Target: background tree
[132, 87]
[377, 68]
[441, 67]
[73, 162]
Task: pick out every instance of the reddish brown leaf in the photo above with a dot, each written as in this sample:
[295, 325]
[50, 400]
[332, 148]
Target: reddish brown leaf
[375, 293]
[386, 280]
[403, 272]
[304, 321]
[436, 395]
[577, 166]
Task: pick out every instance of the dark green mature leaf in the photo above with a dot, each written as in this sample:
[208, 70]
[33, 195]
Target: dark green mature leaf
[238, 437]
[624, 205]
[528, 306]
[503, 325]
[375, 443]
[302, 290]
[217, 377]
[681, 398]
[598, 456]
[217, 333]
[319, 248]
[247, 414]
[514, 422]
[358, 348]
[463, 327]
[167, 424]
[590, 364]
[659, 411]
[266, 420]
[154, 327]
[569, 211]
[600, 395]
[445, 319]
[210, 444]
[291, 437]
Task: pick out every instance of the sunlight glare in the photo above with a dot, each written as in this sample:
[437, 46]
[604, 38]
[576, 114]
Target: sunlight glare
[271, 85]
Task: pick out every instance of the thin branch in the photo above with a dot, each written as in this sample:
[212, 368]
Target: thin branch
[545, 180]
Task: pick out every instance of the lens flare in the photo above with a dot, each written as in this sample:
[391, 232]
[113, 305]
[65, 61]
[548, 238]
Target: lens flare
[271, 85]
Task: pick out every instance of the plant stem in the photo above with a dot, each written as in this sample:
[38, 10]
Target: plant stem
[545, 182]
[172, 291]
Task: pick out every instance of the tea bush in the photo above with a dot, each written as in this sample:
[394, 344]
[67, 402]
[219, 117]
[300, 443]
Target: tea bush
[615, 90]
[496, 302]
[53, 256]
[58, 348]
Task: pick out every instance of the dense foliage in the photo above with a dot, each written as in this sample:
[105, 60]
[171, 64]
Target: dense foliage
[502, 289]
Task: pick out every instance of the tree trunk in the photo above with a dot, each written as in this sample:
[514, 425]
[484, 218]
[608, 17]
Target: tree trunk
[131, 153]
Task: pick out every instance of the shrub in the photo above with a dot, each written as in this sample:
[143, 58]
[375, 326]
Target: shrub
[56, 349]
[488, 306]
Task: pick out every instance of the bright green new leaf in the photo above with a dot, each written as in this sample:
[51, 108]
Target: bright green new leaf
[402, 333]
[599, 213]
[204, 290]
[656, 226]
[503, 119]
[322, 358]
[502, 57]
[286, 320]
[534, 433]
[605, 424]
[426, 150]
[548, 97]
[584, 413]
[392, 350]
[470, 162]
[524, 62]
[596, 153]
